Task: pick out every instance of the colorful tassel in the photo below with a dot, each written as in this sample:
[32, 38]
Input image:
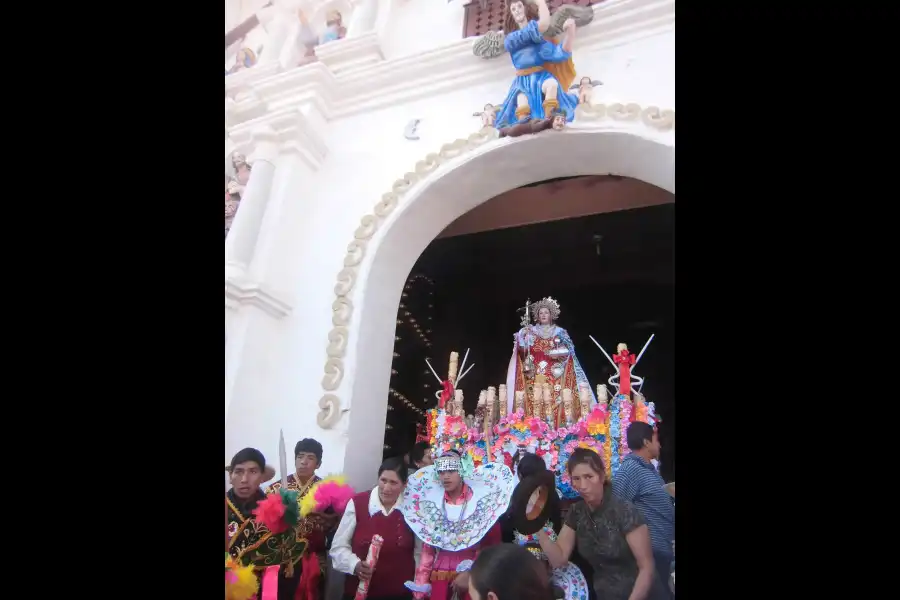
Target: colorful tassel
[331, 492]
[240, 581]
[270, 513]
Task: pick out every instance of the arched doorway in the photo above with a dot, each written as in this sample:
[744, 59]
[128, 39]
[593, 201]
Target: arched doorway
[357, 373]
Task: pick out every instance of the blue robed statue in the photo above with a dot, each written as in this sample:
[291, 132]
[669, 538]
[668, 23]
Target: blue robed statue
[540, 46]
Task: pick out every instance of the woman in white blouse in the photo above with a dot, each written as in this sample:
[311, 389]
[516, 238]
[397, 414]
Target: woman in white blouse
[377, 512]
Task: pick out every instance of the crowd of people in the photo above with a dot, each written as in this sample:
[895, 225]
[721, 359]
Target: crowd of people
[444, 536]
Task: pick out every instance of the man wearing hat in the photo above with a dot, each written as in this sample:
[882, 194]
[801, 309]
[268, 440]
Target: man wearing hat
[307, 574]
[454, 517]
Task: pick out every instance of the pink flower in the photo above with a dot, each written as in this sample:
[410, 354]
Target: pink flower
[562, 432]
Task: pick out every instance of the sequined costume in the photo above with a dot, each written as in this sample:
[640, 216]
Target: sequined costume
[561, 372]
[454, 530]
[438, 567]
[305, 580]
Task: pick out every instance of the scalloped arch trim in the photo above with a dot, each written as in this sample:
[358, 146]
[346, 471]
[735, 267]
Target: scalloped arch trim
[342, 307]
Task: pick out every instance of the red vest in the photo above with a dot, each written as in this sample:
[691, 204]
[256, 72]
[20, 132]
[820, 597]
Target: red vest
[396, 563]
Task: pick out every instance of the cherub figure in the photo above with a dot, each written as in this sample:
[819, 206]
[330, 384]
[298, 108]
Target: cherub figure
[245, 59]
[540, 47]
[585, 90]
[487, 115]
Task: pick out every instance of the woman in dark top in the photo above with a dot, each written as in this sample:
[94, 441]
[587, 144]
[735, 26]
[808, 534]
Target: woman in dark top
[610, 534]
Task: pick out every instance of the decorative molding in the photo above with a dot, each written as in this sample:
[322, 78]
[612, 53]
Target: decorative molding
[355, 90]
[243, 293]
[342, 307]
[286, 131]
[351, 54]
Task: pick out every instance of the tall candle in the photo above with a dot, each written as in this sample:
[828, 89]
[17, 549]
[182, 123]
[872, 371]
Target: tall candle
[362, 589]
[454, 367]
[503, 400]
[520, 401]
[568, 400]
[491, 399]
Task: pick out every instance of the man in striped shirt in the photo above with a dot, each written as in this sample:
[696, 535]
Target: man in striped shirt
[638, 482]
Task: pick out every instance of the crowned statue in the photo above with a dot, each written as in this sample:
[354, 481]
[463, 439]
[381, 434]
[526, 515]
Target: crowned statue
[544, 364]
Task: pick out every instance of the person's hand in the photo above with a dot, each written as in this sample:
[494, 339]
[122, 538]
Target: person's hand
[363, 571]
[461, 582]
[569, 25]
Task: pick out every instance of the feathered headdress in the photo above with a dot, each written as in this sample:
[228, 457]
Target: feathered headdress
[549, 303]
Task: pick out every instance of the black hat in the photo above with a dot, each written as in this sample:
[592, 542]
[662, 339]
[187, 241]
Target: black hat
[530, 522]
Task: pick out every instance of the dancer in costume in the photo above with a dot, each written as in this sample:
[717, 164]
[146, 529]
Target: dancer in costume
[250, 541]
[247, 472]
[307, 571]
[376, 512]
[544, 354]
[454, 516]
[535, 508]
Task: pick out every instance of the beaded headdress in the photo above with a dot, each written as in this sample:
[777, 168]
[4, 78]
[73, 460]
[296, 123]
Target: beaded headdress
[550, 304]
[448, 462]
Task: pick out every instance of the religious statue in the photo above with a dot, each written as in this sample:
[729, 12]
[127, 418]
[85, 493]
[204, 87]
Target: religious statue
[544, 354]
[334, 27]
[540, 47]
[624, 360]
[487, 115]
[585, 89]
[232, 202]
[241, 174]
[245, 59]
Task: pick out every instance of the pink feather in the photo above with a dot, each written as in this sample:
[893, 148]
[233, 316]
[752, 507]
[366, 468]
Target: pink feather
[333, 494]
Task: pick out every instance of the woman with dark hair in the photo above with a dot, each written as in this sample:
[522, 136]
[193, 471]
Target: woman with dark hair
[377, 512]
[527, 466]
[610, 534]
[490, 577]
[535, 507]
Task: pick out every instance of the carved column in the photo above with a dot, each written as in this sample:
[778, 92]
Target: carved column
[241, 240]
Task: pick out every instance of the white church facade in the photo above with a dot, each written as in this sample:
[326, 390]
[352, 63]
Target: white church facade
[361, 156]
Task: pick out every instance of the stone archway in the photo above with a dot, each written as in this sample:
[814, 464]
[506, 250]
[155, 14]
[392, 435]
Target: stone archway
[443, 187]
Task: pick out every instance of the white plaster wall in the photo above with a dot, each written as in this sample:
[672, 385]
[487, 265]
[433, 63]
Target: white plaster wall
[408, 27]
[277, 364]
